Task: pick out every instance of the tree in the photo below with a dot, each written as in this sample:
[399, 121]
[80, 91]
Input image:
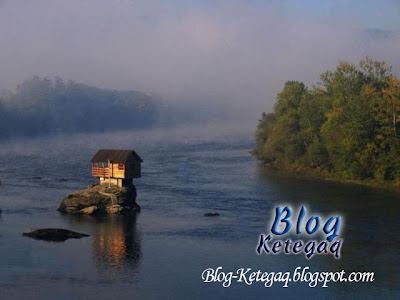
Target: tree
[348, 125]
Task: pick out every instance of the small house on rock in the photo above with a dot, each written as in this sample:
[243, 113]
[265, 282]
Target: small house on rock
[116, 167]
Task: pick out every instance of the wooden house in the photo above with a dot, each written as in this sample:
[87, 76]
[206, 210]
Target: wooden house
[117, 167]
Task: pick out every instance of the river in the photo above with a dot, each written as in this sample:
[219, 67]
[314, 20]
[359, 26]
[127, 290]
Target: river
[161, 252]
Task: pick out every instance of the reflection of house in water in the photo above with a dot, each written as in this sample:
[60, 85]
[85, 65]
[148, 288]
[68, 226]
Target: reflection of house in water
[117, 243]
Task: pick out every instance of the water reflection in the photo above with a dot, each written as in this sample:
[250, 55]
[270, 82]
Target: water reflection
[371, 223]
[116, 241]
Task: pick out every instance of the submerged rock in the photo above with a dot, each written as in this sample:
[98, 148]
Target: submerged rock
[54, 234]
[211, 214]
[101, 199]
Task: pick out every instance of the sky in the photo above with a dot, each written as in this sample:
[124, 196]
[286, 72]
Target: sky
[236, 54]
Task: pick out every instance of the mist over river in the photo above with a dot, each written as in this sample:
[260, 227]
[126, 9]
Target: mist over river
[162, 251]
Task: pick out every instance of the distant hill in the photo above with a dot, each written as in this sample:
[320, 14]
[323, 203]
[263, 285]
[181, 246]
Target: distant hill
[373, 34]
[42, 106]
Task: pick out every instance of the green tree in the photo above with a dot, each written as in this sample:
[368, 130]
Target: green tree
[348, 125]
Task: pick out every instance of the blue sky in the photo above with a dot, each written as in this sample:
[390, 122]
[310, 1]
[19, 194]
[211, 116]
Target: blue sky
[383, 14]
[376, 14]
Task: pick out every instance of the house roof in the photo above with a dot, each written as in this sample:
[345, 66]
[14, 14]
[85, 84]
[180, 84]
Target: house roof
[114, 156]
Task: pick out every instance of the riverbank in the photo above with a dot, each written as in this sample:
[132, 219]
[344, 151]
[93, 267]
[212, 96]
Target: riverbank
[347, 126]
[319, 173]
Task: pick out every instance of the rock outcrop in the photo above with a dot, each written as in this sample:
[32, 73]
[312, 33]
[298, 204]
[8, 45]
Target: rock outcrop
[54, 234]
[101, 199]
[211, 214]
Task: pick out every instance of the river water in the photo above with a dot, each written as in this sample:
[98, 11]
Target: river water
[162, 251]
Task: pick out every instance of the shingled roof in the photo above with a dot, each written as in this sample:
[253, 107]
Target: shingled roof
[114, 156]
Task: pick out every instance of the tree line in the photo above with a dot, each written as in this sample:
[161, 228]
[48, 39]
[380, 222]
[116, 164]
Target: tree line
[347, 126]
[40, 106]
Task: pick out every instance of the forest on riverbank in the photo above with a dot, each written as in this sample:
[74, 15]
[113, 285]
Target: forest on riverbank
[347, 127]
[41, 106]
[47, 106]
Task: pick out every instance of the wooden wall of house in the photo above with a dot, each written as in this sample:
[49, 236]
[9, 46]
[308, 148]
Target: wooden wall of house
[133, 169]
[118, 171]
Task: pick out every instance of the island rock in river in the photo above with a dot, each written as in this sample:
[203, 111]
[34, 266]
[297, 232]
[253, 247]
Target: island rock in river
[54, 234]
[101, 199]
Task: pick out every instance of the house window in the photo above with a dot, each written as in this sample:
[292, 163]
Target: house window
[120, 166]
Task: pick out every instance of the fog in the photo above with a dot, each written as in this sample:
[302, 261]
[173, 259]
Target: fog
[231, 54]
